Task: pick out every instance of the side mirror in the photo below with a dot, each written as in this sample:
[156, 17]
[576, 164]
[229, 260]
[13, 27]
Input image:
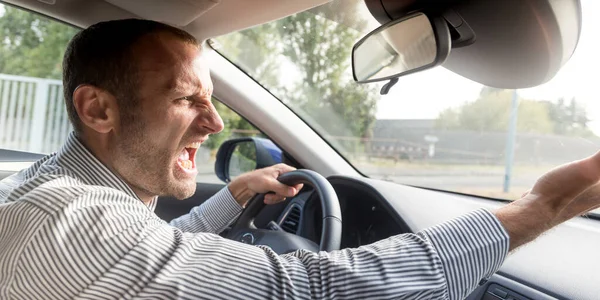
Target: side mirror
[241, 155]
[401, 47]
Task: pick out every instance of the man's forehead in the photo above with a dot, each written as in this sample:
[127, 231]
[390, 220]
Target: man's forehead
[189, 84]
[190, 78]
[174, 65]
[161, 50]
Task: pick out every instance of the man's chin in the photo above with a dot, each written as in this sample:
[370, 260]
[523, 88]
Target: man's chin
[183, 191]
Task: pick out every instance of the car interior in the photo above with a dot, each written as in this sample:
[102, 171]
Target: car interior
[483, 37]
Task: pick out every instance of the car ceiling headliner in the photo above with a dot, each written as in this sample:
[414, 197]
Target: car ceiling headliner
[202, 18]
[519, 44]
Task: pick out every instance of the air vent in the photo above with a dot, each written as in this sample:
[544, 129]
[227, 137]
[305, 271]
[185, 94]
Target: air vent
[291, 220]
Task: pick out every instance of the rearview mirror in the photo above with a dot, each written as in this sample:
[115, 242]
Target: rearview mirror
[241, 155]
[401, 47]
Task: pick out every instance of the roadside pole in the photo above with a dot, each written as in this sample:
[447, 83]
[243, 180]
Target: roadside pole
[510, 140]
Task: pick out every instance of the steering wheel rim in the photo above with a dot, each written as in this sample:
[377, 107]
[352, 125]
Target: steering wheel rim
[331, 233]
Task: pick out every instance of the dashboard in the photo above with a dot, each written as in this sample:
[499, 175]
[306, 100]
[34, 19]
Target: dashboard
[365, 217]
[561, 264]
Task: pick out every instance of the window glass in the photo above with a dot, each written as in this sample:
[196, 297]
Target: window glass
[33, 117]
[434, 129]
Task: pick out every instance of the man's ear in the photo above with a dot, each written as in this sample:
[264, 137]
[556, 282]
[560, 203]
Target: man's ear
[97, 108]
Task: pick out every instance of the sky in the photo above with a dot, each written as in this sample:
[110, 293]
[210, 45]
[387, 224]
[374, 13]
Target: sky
[414, 97]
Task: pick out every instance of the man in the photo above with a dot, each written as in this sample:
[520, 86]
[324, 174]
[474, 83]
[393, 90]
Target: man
[79, 223]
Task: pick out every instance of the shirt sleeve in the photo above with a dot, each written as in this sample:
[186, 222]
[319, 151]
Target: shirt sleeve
[212, 216]
[118, 249]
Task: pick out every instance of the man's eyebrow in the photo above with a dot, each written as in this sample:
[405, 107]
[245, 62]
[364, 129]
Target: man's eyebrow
[199, 94]
[186, 87]
[206, 91]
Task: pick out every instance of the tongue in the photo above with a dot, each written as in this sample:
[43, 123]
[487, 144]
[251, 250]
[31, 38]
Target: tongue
[184, 155]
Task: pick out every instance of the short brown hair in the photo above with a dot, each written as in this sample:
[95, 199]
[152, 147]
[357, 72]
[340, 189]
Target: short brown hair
[101, 55]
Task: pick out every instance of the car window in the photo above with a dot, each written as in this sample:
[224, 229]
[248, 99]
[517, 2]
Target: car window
[32, 112]
[33, 116]
[434, 129]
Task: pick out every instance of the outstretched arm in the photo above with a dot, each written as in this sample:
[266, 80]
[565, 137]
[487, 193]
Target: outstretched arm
[559, 195]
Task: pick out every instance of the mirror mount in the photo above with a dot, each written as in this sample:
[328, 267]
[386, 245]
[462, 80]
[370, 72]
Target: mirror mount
[386, 87]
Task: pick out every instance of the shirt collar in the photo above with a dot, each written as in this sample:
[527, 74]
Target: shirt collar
[75, 157]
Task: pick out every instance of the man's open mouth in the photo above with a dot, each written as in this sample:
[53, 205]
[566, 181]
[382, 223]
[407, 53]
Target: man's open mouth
[186, 159]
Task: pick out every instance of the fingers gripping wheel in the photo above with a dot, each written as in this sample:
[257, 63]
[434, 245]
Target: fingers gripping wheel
[331, 234]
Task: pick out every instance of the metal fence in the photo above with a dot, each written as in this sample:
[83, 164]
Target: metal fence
[33, 117]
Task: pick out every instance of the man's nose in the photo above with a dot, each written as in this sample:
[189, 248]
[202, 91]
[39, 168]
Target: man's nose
[211, 121]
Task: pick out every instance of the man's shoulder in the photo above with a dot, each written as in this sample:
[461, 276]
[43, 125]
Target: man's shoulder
[65, 190]
[55, 191]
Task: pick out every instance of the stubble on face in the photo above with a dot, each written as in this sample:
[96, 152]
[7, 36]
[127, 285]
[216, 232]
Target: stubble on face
[141, 154]
[146, 165]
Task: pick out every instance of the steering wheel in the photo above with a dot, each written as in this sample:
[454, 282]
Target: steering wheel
[283, 242]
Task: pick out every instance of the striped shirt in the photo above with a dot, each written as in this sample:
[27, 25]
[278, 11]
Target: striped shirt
[69, 228]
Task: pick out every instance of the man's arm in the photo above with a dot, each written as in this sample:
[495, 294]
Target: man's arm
[559, 195]
[214, 215]
[119, 249]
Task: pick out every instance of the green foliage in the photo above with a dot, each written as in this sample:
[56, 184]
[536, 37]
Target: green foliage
[491, 112]
[311, 51]
[32, 45]
[569, 118]
[321, 50]
[314, 44]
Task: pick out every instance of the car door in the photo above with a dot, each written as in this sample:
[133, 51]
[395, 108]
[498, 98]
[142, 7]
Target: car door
[33, 118]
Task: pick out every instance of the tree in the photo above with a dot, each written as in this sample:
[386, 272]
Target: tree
[304, 59]
[491, 112]
[315, 46]
[32, 45]
[569, 118]
[320, 43]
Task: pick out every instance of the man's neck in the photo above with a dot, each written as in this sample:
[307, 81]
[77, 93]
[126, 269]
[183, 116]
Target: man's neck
[94, 146]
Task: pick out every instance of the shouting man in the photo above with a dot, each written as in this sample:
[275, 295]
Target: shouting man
[80, 223]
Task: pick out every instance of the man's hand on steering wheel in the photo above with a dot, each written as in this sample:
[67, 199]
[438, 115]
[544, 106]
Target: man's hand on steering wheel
[247, 185]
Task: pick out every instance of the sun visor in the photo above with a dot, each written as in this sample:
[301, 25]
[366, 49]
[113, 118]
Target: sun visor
[513, 43]
[174, 12]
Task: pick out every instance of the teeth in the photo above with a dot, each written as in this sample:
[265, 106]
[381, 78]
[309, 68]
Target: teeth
[186, 164]
[194, 145]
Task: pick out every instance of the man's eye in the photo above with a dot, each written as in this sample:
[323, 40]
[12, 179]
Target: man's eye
[186, 99]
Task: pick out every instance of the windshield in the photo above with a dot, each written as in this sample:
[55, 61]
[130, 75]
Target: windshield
[434, 129]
